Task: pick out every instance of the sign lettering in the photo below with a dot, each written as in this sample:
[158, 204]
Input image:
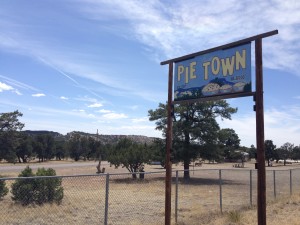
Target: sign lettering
[215, 73]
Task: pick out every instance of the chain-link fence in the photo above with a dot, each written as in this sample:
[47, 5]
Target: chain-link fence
[120, 199]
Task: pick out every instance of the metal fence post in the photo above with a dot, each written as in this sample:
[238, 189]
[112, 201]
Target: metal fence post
[291, 183]
[220, 183]
[106, 199]
[176, 197]
[274, 181]
[251, 188]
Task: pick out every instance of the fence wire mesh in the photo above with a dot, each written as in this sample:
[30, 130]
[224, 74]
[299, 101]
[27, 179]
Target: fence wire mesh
[136, 201]
[82, 203]
[120, 199]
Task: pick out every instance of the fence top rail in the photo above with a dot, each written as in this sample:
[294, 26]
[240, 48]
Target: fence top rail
[129, 174]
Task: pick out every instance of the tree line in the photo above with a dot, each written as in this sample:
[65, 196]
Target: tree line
[18, 146]
[196, 135]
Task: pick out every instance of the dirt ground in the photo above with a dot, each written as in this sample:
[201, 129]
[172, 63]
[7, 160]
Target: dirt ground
[69, 167]
[142, 201]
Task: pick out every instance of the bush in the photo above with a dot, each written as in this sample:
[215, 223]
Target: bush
[49, 189]
[3, 188]
[37, 190]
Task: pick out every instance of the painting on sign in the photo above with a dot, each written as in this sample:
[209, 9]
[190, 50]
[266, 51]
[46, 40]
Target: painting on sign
[216, 73]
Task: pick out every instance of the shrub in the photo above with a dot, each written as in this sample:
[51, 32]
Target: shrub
[49, 189]
[3, 188]
[37, 190]
[23, 189]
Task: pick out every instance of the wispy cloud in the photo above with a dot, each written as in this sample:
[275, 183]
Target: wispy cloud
[134, 107]
[166, 30]
[104, 111]
[63, 98]
[17, 84]
[189, 26]
[86, 99]
[78, 110]
[139, 120]
[114, 116]
[58, 70]
[73, 63]
[95, 105]
[18, 92]
[38, 95]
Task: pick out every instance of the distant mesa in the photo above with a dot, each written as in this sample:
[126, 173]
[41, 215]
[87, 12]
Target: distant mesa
[104, 139]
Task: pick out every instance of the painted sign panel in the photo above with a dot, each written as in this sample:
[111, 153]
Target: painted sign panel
[216, 73]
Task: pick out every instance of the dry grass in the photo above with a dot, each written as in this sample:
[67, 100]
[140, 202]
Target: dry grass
[281, 211]
[136, 202]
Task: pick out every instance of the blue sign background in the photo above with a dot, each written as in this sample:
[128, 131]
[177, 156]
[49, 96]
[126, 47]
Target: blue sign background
[215, 73]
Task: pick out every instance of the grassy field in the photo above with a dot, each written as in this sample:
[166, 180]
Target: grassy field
[142, 201]
[280, 211]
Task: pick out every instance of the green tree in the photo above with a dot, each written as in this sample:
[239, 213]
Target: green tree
[129, 154]
[24, 151]
[157, 151]
[10, 121]
[269, 151]
[194, 126]
[285, 151]
[60, 150]
[96, 150]
[296, 153]
[228, 137]
[75, 147]
[37, 190]
[3, 188]
[211, 152]
[44, 147]
[23, 189]
[9, 130]
[252, 152]
[229, 142]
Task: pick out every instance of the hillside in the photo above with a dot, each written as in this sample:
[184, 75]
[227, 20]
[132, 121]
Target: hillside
[105, 139]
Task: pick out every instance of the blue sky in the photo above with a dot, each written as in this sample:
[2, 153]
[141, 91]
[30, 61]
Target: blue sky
[95, 64]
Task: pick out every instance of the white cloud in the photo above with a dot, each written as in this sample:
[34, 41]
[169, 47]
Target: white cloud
[86, 99]
[193, 25]
[281, 125]
[104, 111]
[134, 107]
[139, 120]
[78, 110]
[115, 116]
[95, 105]
[5, 87]
[91, 116]
[38, 95]
[63, 98]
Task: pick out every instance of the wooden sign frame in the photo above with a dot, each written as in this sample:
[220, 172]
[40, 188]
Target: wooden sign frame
[259, 108]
